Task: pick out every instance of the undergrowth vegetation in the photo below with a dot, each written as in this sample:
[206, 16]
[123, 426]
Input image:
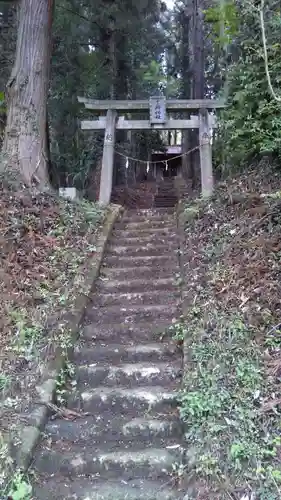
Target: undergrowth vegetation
[45, 243]
[231, 399]
[249, 125]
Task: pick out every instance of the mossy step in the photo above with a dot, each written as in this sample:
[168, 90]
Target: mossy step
[56, 488]
[115, 353]
[124, 333]
[134, 313]
[107, 430]
[145, 224]
[149, 249]
[154, 463]
[142, 271]
[121, 234]
[128, 374]
[136, 285]
[105, 299]
[150, 260]
[117, 399]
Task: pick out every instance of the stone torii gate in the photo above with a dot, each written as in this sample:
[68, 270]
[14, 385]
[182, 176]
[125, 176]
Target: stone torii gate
[157, 107]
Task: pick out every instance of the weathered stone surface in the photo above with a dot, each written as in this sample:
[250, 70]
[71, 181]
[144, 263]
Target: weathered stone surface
[135, 298]
[146, 224]
[145, 373]
[159, 232]
[154, 463]
[130, 313]
[124, 333]
[165, 239]
[116, 353]
[146, 249]
[136, 260]
[142, 271]
[136, 285]
[82, 489]
[106, 429]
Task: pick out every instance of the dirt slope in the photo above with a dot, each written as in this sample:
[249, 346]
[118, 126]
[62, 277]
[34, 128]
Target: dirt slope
[44, 242]
[231, 401]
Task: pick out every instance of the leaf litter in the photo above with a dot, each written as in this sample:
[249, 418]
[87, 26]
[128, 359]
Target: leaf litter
[45, 243]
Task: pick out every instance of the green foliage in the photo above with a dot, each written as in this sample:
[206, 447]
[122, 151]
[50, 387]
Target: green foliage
[27, 333]
[151, 74]
[178, 330]
[250, 126]
[225, 22]
[20, 488]
[2, 103]
[4, 382]
[2, 115]
[66, 373]
[78, 69]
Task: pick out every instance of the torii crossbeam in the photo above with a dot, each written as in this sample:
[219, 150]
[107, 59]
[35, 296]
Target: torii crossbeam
[157, 107]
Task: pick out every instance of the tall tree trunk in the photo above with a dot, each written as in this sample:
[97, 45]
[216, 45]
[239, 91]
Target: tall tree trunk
[121, 85]
[185, 90]
[26, 145]
[196, 45]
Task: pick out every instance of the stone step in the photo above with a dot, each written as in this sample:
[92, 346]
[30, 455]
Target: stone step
[149, 463]
[140, 333]
[121, 234]
[143, 260]
[166, 194]
[58, 488]
[167, 198]
[164, 201]
[140, 272]
[145, 224]
[115, 353]
[168, 191]
[134, 313]
[145, 240]
[128, 374]
[116, 400]
[137, 285]
[104, 431]
[156, 217]
[149, 211]
[131, 298]
[149, 249]
[167, 188]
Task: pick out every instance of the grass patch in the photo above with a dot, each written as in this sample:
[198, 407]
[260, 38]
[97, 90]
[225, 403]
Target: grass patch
[19, 488]
[233, 433]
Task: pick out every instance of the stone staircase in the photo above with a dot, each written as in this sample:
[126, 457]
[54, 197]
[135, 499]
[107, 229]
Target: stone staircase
[166, 195]
[126, 444]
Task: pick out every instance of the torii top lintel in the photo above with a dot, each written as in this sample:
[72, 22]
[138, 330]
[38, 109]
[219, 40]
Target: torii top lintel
[143, 104]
